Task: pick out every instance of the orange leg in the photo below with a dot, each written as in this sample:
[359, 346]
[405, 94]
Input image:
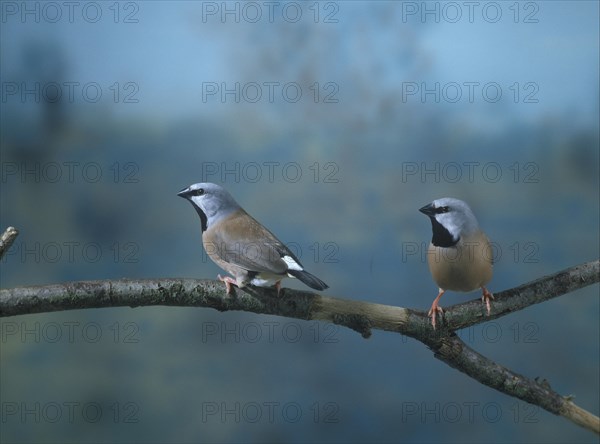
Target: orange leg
[486, 297]
[435, 309]
[228, 281]
[278, 287]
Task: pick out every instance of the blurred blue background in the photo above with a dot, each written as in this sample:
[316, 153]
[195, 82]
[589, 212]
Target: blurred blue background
[331, 123]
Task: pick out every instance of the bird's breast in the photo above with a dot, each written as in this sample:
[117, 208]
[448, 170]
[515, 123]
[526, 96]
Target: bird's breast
[464, 267]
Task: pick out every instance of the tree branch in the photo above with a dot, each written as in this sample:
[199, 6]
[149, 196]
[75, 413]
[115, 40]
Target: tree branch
[357, 315]
[508, 301]
[454, 352]
[8, 237]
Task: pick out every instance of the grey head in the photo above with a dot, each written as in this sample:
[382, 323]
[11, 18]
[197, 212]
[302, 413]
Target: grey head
[211, 201]
[451, 219]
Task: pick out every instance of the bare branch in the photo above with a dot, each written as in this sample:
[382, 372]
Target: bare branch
[454, 352]
[7, 239]
[357, 315]
[508, 301]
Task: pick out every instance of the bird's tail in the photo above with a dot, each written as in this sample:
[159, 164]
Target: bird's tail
[308, 279]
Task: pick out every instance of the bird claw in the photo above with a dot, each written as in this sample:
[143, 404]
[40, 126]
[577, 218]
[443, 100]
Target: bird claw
[485, 298]
[433, 311]
[435, 308]
[228, 281]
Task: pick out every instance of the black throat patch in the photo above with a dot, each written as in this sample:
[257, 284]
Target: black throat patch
[203, 218]
[441, 236]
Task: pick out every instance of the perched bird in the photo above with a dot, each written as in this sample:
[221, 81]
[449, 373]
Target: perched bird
[240, 245]
[460, 255]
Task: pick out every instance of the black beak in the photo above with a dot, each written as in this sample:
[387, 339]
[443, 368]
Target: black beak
[185, 193]
[428, 209]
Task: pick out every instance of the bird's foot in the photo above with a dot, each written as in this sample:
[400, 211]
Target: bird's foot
[228, 281]
[433, 311]
[486, 297]
[278, 287]
[435, 308]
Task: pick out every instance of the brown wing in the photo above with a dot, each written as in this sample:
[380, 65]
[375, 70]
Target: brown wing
[242, 241]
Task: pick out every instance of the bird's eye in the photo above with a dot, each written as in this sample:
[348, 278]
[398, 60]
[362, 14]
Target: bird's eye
[198, 192]
[441, 210]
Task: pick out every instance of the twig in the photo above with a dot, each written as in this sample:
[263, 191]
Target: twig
[8, 237]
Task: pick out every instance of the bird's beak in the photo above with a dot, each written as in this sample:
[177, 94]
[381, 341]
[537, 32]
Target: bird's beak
[185, 193]
[428, 209]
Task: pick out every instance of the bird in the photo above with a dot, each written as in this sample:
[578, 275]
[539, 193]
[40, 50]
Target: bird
[459, 255]
[240, 245]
